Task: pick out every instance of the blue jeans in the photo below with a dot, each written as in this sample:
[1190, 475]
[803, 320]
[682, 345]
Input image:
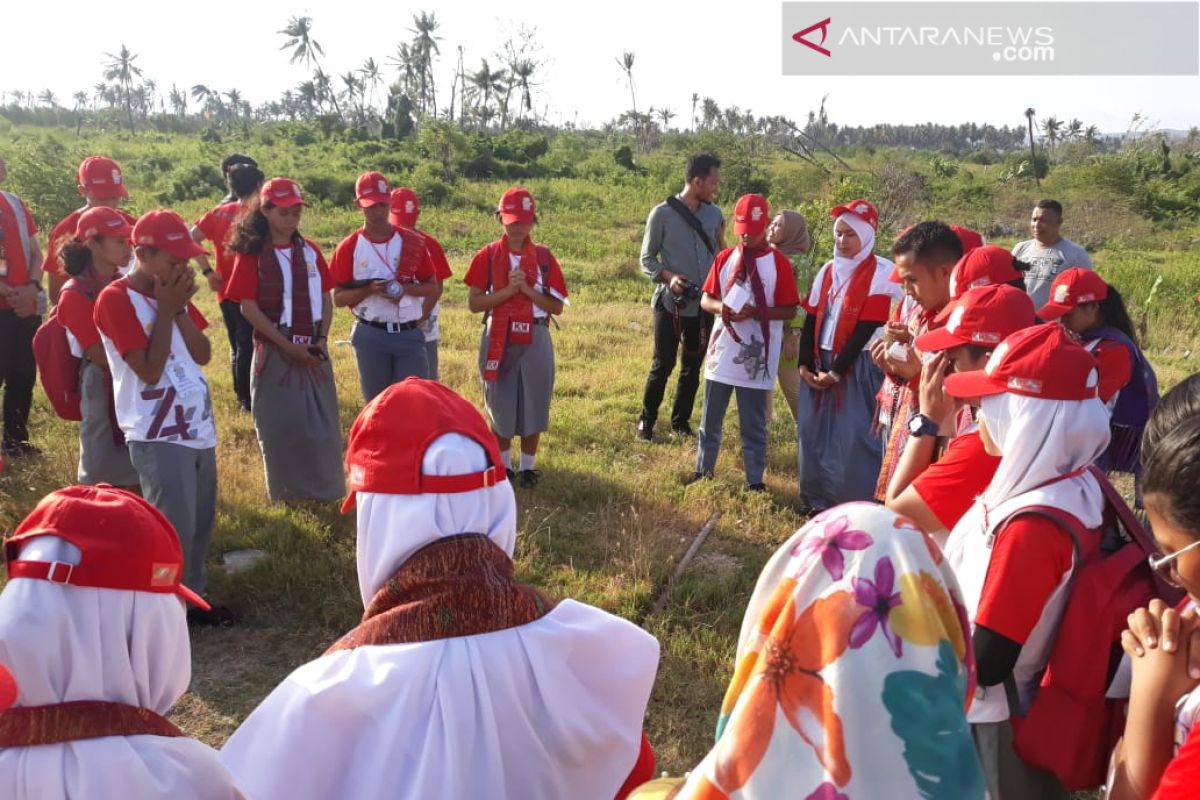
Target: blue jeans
[752, 416]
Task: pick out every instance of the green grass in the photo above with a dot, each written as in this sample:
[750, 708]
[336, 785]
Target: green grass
[608, 521]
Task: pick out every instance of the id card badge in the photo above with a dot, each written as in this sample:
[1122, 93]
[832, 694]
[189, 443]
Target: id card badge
[185, 385]
[312, 269]
[301, 339]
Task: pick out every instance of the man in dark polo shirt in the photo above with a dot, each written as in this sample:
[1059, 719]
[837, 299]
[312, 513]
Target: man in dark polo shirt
[683, 235]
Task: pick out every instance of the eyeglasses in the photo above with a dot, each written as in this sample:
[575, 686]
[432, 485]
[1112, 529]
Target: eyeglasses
[1165, 566]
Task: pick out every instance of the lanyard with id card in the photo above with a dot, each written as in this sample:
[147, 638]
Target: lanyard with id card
[186, 385]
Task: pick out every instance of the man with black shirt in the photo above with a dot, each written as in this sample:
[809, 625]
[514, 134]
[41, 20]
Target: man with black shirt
[683, 234]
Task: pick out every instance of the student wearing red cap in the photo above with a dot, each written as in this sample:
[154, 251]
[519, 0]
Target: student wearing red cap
[459, 682]
[1095, 312]
[21, 305]
[839, 452]
[384, 274]
[944, 466]
[282, 283]
[1041, 415]
[518, 286]
[101, 183]
[245, 183]
[988, 265]
[92, 258]
[405, 207]
[154, 340]
[751, 291]
[94, 641]
[925, 255]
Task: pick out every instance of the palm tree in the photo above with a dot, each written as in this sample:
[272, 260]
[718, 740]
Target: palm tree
[1052, 126]
[523, 71]
[425, 46]
[178, 102]
[486, 82]
[235, 102]
[1091, 135]
[122, 70]
[305, 48]
[695, 100]
[1074, 129]
[665, 114]
[371, 78]
[1029, 114]
[354, 89]
[625, 62]
[47, 96]
[405, 62]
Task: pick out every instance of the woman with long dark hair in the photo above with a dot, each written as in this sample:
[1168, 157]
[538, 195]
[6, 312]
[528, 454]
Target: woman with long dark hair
[282, 283]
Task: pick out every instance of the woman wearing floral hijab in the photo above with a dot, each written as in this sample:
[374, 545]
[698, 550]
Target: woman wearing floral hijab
[853, 673]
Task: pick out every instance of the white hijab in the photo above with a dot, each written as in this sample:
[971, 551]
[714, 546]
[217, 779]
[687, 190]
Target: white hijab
[844, 267]
[68, 643]
[553, 708]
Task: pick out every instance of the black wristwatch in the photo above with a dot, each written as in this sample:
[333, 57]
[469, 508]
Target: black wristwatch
[207, 272]
[921, 425]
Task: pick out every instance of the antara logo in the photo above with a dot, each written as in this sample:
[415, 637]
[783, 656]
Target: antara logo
[822, 26]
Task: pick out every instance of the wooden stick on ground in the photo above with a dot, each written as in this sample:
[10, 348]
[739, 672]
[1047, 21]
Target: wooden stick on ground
[682, 566]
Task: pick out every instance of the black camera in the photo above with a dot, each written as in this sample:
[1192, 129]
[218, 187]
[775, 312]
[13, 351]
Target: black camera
[690, 292]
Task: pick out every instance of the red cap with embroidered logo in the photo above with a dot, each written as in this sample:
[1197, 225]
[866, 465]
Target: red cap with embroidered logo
[863, 209]
[1042, 361]
[282, 192]
[985, 316]
[1073, 287]
[517, 206]
[165, 230]
[750, 215]
[371, 190]
[102, 221]
[387, 442]
[988, 265]
[101, 177]
[405, 207]
[124, 543]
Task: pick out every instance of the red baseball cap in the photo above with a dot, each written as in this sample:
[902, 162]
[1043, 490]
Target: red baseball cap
[968, 238]
[371, 189]
[125, 543]
[102, 221]
[282, 192]
[986, 265]
[405, 207]
[750, 215]
[986, 316]
[1042, 361]
[517, 206]
[8, 689]
[387, 442]
[863, 209]
[1071, 288]
[101, 176]
[166, 230]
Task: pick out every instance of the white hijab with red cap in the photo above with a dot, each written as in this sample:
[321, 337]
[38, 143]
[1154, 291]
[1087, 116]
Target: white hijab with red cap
[553, 708]
[67, 643]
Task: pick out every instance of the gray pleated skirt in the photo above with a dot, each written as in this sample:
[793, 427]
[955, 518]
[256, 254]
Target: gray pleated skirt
[518, 401]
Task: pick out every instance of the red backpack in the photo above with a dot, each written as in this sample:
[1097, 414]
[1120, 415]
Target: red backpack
[1070, 727]
[56, 364]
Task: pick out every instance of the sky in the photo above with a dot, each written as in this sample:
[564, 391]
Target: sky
[730, 52]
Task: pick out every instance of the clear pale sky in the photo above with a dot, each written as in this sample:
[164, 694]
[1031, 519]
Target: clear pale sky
[728, 51]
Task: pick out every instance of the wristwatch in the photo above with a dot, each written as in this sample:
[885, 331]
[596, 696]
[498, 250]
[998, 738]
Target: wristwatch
[921, 425]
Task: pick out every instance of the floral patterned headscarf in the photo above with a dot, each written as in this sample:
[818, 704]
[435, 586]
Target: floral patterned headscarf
[854, 670]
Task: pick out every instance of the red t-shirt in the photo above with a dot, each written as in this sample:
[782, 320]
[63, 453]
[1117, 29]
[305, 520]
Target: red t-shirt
[1029, 558]
[479, 275]
[785, 294]
[64, 231]
[441, 267]
[215, 226]
[950, 485]
[1115, 366]
[116, 318]
[243, 283]
[18, 270]
[342, 266]
[76, 312]
[1181, 779]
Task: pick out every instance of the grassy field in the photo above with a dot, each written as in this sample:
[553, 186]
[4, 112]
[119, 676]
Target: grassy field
[609, 520]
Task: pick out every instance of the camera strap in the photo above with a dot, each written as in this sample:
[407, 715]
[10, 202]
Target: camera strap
[693, 222]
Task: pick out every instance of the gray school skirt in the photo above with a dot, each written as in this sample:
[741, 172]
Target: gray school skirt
[101, 458]
[518, 401]
[296, 417]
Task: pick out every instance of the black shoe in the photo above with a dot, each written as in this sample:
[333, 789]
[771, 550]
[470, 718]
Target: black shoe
[20, 449]
[697, 476]
[529, 478]
[645, 430]
[215, 617]
[757, 487]
[508, 471]
[683, 430]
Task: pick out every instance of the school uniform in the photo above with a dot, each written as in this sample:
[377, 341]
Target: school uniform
[430, 327]
[743, 357]
[389, 345]
[169, 425]
[63, 232]
[516, 355]
[215, 225]
[103, 453]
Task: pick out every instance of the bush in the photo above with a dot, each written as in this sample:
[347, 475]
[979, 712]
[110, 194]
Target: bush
[336, 189]
[193, 183]
[427, 182]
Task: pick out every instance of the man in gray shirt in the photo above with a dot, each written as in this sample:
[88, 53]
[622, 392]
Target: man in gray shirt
[1047, 253]
[682, 237]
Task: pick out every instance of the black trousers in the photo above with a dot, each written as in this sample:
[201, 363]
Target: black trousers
[694, 332]
[18, 373]
[241, 349]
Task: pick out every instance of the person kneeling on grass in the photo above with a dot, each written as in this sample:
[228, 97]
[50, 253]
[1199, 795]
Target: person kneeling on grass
[752, 291]
[459, 682]
[94, 637]
[851, 677]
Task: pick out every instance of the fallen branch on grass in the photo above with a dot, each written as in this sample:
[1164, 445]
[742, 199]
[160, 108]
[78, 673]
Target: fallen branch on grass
[682, 566]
